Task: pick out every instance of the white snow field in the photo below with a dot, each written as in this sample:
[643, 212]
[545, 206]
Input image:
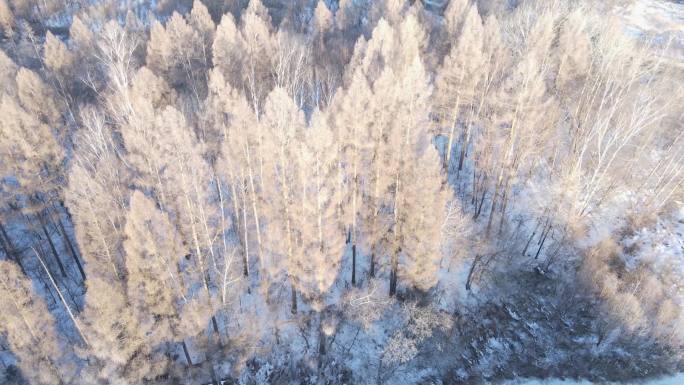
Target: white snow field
[673, 380]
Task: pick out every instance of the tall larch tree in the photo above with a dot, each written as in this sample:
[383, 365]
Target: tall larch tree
[30, 328]
[283, 124]
[457, 82]
[239, 164]
[119, 352]
[155, 284]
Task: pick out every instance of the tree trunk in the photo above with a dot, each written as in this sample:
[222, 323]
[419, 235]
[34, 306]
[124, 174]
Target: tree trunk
[471, 271]
[481, 204]
[215, 326]
[9, 248]
[71, 248]
[503, 211]
[447, 156]
[293, 308]
[186, 352]
[353, 277]
[393, 275]
[541, 244]
[473, 199]
[321, 336]
[254, 206]
[492, 209]
[53, 249]
[61, 297]
[464, 148]
[245, 259]
[372, 265]
[527, 245]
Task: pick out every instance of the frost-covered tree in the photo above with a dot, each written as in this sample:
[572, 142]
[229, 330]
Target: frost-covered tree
[457, 82]
[30, 328]
[240, 164]
[244, 54]
[119, 351]
[96, 197]
[283, 124]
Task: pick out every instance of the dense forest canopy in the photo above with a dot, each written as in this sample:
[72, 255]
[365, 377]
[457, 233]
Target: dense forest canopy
[333, 192]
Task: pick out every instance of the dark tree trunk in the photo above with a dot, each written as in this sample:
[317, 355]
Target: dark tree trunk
[372, 265]
[10, 250]
[541, 244]
[293, 308]
[53, 249]
[187, 353]
[321, 335]
[353, 274]
[473, 199]
[527, 245]
[72, 249]
[393, 275]
[503, 211]
[245, 266]
[481, 204]
[492, 209]
[214, 324]
[471, 271]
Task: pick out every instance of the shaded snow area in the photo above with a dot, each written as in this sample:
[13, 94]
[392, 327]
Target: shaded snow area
[673, 380]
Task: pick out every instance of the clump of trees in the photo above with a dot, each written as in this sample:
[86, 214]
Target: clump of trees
[200, 183]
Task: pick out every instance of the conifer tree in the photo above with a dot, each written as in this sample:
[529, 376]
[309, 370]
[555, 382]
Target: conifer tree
[30, 328]
[458, 80]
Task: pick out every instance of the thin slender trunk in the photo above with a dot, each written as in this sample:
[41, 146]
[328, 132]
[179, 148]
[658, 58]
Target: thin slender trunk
[472, 271]
[321, 335]
[527, 245]
[186, 352]
[372, 265]
[393, 274]
[464, 148]
[447, 156]
[53, 249]
[541, 244]
[245, 259]
[214, 324]
[493, 208]
[9, 248]
[473, 199]
[254, 207]
[61, 297]
[353, 277]
[481, 204]
[71, 248]
[293, 308]
[503, 210]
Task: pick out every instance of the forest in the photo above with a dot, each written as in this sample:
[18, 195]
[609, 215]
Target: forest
[337, 192]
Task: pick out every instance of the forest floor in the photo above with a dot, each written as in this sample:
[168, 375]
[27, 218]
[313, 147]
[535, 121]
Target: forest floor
[669, 380]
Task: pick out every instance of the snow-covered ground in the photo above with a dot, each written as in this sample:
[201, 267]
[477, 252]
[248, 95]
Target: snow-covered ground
[660, 20]
[673, 380]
